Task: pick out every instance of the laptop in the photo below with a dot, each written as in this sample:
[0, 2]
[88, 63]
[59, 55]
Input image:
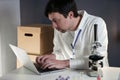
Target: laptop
[26, 61]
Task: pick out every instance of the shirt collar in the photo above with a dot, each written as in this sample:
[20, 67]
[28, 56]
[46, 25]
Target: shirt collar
[83, 20]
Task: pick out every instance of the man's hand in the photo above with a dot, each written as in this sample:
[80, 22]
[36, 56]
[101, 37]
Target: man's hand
[49, 61]
[55, 64]
[41, 59]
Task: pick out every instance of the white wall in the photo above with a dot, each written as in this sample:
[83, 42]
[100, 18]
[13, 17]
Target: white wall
[9, 20]
[0, 59]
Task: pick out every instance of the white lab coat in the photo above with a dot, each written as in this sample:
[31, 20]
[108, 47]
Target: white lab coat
[62, 42]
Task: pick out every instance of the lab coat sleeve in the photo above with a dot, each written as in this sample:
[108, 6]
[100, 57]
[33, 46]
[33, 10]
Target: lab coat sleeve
[81, 63]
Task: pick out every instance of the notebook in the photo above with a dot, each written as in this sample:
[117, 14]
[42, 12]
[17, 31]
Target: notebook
[26, 61]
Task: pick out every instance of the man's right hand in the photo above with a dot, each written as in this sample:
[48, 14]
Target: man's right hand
[41, 59]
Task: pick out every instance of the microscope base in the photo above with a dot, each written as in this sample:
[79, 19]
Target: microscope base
[92, 73]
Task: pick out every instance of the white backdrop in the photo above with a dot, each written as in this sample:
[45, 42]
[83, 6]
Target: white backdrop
[9, 20]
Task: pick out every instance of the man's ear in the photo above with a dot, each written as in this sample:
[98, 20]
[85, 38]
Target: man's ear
[71, 14]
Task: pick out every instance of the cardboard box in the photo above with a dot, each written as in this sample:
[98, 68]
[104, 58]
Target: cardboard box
[36, 39]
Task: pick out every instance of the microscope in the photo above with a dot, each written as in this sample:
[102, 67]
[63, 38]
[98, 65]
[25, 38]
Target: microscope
[95, 59]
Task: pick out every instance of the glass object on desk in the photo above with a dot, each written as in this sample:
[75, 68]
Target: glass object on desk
[100, 74]
[63, 78]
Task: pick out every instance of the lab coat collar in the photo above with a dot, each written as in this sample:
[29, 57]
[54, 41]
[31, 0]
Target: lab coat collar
[83, 20]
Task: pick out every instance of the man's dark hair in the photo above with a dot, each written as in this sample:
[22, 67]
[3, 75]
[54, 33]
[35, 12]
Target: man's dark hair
[61, 6]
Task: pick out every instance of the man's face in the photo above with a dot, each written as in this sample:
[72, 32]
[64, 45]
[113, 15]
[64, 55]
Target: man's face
[59, 22]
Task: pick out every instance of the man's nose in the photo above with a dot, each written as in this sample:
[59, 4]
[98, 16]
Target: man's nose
[54, 25]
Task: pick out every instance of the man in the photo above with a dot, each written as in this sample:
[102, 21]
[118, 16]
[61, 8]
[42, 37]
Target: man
[73, 36]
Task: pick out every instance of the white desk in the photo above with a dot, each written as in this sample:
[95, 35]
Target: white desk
[22, 73]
